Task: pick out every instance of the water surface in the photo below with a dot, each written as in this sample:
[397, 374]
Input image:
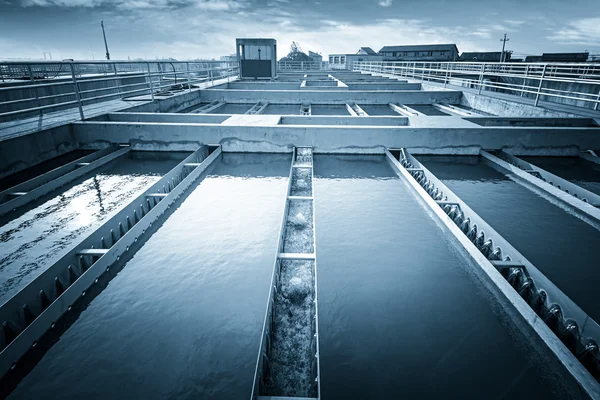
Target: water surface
[398, 315]
[37, 235]
[575, 169]
[559, 244]
[183, 319]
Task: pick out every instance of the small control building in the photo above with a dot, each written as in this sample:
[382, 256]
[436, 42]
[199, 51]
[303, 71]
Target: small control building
[257, 58]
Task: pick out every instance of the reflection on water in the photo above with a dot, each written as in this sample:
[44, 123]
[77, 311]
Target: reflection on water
[559, 244]
[398, 315]
[40, 233]
[183, 319]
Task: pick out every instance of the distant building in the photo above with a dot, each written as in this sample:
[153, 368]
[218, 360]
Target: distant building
[366, 51]
[559, 57]
[533, 59]
[489, 56]
[316, 57]
[345, 61]
[565, 57]
[426, 52]
[229, 58]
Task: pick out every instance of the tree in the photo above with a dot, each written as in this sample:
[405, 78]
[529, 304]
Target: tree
[296, 54]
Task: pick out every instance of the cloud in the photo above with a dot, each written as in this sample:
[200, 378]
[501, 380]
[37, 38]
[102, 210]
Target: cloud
[584, 31]
[385, 3]
[513, 22]
[211, 5]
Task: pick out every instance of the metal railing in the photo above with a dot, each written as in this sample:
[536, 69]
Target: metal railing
[573, 84]
[283, 66]
[29, 89]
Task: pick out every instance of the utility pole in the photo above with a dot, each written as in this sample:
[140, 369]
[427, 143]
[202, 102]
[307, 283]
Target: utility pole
[106, 45]
[502, 56]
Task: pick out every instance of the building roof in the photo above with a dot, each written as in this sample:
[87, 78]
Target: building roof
[368, 50]
[483, 56]
[420, 47]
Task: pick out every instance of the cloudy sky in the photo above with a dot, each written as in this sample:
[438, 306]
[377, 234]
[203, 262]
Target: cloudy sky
[186, 29]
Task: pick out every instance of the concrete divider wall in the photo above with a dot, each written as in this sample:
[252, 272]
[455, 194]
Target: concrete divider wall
[331, 97]
[340, 139]
[25, 151]
[383, 86]
[173, 104]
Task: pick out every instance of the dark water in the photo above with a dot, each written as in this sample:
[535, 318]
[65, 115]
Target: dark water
[329, 109]
[398, 316]
[427, 109]
[575, 169]
[378, 109]
[282, 109]
[183, 319]
[560, 245]
[232, 108]
[43, 231]
[29, 173]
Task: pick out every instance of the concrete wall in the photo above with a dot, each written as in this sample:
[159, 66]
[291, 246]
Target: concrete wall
[66, 92]
[593, 90]
[331, 97]
[171, 104]
[340, 139]
[382, 86]
[505, 108]
[25, 151]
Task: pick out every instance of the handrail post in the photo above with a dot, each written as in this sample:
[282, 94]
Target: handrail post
[150, 81]
[524, 80]
[187, 65]
[597, 101]
[117, 80]
[35, 90]
[481, 77]
[537, 95]
[446, 74]
[77, 95]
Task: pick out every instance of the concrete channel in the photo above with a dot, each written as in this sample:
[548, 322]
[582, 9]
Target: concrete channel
[36, 235]
[36, 308]
[560, 314]
[288, 358]
[181, 321]
[393, 288]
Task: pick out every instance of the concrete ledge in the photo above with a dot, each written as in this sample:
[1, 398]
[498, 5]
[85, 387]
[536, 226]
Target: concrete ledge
[331, 96]
[339, 139]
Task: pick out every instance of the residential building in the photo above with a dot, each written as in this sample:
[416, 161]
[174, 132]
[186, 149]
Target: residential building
[426, 52]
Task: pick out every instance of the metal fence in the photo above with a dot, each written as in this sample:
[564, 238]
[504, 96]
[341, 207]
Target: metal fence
[283, 66]
[28, 89]
[574, 84]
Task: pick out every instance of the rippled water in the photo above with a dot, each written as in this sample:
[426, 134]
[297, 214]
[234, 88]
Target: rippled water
[559, 244]
[39, 234]
[183, 319]
[575, 169]
[398, 316]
